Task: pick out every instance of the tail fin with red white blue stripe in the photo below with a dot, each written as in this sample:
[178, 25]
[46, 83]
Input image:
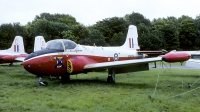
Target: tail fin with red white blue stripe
[17, 45]
[132, 38]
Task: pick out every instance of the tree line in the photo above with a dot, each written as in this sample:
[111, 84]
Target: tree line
[169, 33]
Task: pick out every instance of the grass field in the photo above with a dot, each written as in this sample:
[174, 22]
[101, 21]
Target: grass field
[19, 91]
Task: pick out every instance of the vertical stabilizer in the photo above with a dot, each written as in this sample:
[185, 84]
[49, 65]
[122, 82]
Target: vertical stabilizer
[39, 43]
[17, 45]
[132, 38]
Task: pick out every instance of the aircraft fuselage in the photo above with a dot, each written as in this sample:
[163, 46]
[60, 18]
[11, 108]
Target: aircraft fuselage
[57, 62]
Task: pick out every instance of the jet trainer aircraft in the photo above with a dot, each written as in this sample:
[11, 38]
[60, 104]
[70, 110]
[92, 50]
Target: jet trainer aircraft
[16, 52]
[63, 57]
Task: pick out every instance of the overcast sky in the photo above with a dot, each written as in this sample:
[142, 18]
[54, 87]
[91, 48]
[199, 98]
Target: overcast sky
[88, 12]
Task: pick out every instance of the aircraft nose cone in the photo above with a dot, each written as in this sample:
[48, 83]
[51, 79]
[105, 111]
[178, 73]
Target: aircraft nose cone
[30, 66]
[26, 65]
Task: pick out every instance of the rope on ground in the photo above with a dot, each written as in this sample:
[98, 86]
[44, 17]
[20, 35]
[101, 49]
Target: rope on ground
[195, 81]
[156, 83]
[5, 70]
[176, 77]
[184, 92]
[170, 70]
[182, 82]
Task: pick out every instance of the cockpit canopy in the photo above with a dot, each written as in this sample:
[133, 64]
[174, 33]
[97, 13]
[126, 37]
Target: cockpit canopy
[54, 46]
[61, 44]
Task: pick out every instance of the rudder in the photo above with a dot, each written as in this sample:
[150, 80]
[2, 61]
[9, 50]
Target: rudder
[132, 38]
[17, 45]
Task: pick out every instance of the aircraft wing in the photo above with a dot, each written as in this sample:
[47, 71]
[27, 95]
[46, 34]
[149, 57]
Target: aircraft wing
[20, 59]
[189, 52]
[115, 64]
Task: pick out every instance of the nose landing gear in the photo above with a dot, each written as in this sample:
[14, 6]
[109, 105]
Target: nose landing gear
[41, 83]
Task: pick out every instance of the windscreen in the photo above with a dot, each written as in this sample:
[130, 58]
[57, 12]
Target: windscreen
[69, 44]
[55, 44]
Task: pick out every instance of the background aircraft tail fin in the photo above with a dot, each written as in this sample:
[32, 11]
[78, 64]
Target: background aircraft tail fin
[39, 43]
[17, 45]
[132, 38]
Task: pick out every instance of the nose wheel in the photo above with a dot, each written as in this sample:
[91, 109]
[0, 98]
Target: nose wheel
[41, 83]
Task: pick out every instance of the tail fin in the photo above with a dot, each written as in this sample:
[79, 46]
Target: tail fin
[39, 43]
[17, 45]
[132, 38]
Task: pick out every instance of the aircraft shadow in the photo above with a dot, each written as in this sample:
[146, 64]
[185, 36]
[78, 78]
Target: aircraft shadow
[95, 82]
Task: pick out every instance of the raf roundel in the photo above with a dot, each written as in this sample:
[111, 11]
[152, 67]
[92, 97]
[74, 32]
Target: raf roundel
[116, 57]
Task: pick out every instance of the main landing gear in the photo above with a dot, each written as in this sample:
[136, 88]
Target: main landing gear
[41, 83]
[111, 76]
[11, 64]
[65, 78]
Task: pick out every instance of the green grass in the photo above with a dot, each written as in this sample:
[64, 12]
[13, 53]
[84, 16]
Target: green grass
[19, 91]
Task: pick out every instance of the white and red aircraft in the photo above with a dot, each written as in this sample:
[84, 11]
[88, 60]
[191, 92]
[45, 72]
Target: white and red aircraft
[64, 57]
[16, 52]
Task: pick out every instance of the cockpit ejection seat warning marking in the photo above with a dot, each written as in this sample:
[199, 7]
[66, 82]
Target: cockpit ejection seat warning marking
[69, 66]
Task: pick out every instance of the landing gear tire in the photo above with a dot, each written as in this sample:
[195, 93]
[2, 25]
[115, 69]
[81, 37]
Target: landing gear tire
[11, 64]
[41, 83]
[111, 76]
[65, 78]
[110, 79]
